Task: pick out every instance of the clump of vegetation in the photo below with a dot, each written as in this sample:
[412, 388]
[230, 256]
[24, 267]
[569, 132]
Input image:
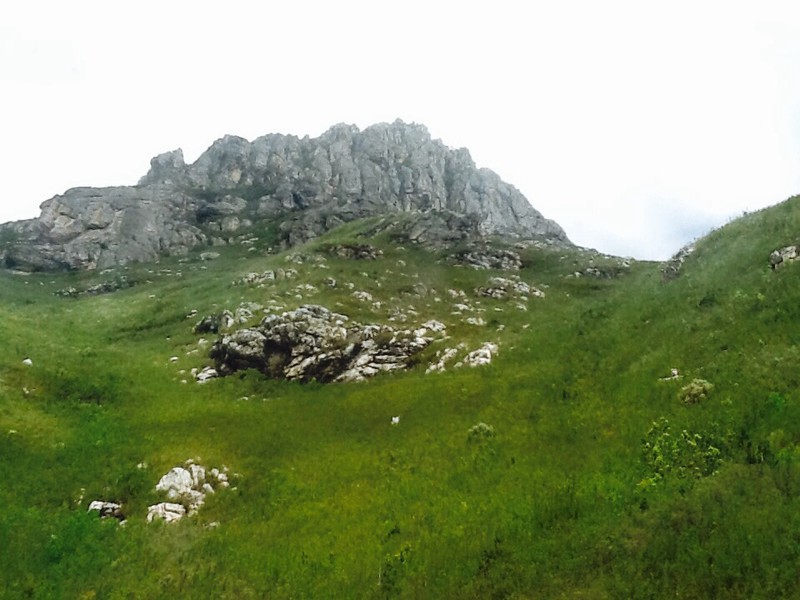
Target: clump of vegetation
[480, 432]
[685, 455]
[696, 391]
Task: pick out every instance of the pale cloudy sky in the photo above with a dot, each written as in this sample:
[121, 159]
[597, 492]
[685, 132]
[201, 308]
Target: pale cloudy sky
[635, 125]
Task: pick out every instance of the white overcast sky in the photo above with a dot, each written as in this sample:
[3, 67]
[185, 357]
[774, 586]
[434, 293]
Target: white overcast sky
[635, 125]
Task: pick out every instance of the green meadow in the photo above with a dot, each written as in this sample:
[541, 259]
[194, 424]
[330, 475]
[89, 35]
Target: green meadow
[573, 466]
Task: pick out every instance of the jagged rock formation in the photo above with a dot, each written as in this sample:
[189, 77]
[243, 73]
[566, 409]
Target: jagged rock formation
[313, 343]
[294, 188]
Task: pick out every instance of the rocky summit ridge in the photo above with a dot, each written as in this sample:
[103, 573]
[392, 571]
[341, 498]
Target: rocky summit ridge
[278, 190]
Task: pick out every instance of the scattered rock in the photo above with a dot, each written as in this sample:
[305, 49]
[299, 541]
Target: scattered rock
[207, 374]
[443, 356]
[502, 288]
[104, 287]
[221, 321]
[257, 278]
[209, 256]
[476, 321]
[362, 296]
[490, 258]
[27, 362]
[354, 251]
[481, 356]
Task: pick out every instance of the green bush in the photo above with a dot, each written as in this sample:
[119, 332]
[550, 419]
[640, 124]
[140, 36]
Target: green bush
[696, 391]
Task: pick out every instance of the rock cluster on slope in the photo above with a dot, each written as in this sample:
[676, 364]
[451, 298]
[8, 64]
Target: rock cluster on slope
[305, 187]
[313, 343]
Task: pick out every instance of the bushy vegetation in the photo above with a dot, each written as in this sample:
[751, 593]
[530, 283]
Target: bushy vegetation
[569, 467]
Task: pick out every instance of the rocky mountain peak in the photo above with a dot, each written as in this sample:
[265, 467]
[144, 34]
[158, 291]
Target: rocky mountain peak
[302, 187]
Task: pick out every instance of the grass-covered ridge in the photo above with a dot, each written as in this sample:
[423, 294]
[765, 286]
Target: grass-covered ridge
[598, 476]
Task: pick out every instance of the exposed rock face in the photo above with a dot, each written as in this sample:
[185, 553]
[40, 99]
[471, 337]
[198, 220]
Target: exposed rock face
[307, 186]
[313, 343]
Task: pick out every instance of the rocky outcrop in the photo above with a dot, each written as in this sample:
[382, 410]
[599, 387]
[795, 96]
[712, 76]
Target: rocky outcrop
[300, 188]
[313, 343]
[783, 256]
[672, 268]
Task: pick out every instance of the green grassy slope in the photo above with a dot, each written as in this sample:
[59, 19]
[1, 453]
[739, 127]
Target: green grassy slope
[599, 481]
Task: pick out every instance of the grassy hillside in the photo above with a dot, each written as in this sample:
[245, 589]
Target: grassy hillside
[599, 476]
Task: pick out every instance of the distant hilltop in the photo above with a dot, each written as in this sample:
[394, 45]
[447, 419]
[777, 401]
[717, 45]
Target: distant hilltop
[278, 190]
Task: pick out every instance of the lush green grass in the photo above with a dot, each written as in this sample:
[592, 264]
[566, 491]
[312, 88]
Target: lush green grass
[564, 500]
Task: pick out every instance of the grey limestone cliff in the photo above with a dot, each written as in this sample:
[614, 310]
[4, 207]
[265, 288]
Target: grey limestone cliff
[296, 188]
